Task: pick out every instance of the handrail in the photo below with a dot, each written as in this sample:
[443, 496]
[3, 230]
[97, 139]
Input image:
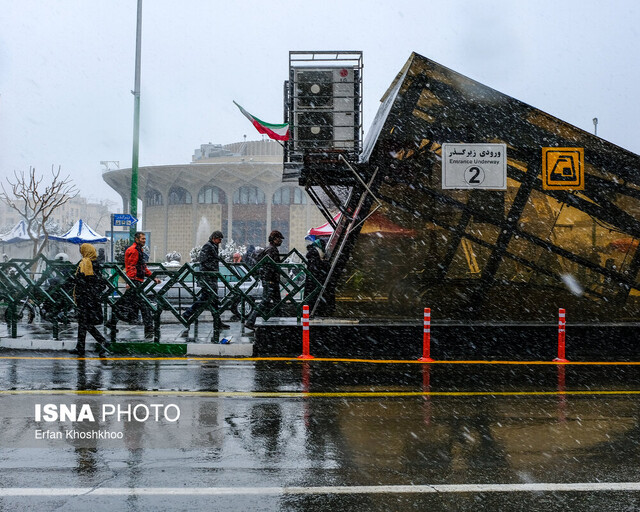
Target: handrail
[50, 290]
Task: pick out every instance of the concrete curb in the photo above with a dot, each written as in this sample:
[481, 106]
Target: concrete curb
[215, 349]
[242, 349]
[40, 344]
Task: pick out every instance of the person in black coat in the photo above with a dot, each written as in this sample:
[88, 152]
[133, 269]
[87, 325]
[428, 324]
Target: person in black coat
[89, 287]
[270, 278]
[209, 259]
[317, 265]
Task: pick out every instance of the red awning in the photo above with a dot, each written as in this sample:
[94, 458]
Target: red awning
[377, 224]
[325, 229]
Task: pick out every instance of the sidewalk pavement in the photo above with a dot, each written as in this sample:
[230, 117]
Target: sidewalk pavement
[130, 340]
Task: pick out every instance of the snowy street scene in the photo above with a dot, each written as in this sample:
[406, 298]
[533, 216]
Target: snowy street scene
[363, 255]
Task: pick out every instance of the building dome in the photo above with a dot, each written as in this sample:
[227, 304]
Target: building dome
[236, 188]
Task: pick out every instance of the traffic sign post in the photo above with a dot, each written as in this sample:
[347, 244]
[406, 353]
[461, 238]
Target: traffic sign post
[123, 219]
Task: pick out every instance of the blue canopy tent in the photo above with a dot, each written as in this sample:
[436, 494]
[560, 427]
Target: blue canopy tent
[17, 234]
[80, 233]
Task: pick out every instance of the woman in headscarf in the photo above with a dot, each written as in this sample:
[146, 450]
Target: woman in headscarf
[87, 294]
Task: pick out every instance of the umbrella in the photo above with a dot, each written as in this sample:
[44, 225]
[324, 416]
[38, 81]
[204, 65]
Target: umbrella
[80, 233]
[18, 233]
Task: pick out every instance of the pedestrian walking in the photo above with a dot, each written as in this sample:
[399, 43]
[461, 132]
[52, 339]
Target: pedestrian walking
[318, 267]
[209, 259]
[88, 290]
[270, 278]
[135, 265]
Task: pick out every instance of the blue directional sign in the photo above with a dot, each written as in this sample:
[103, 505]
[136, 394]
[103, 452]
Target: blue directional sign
[123, 219]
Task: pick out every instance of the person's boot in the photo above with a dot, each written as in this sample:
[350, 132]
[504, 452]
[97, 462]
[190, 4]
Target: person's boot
[80, 346]
[111, 324]
[221, 325]
[103, 347]
[77, 351]
[250, 322]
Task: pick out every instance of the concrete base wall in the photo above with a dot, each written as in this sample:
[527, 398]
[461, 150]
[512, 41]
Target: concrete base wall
[525, 343]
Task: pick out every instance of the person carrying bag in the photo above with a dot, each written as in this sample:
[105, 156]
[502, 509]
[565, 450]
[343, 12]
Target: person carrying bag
[87, 293]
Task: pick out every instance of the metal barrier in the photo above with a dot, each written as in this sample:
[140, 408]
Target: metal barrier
[44, 288]
[29, 287]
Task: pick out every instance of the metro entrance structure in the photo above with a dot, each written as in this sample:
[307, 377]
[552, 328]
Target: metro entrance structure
[476, 257]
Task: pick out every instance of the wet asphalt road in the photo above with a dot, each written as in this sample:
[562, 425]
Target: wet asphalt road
[292, 435]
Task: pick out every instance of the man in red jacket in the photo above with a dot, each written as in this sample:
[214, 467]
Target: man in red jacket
[135, 265]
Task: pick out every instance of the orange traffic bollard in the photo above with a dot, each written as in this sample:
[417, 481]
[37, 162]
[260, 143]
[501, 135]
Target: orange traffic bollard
[305, 334]
[426, 337]
[562, 323]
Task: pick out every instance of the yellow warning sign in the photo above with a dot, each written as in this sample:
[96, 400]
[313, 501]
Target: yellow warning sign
[563, 168]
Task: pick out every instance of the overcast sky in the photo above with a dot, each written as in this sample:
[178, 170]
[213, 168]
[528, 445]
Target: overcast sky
[67, 68]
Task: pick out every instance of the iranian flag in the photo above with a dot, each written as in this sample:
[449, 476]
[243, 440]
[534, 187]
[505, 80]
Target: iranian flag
[273, 131]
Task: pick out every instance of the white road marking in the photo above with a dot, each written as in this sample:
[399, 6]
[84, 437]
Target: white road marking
[356, 489]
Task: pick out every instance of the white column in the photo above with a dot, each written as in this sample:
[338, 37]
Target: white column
[229, 206]
[165, 203]
[195, 222]
[269, 201]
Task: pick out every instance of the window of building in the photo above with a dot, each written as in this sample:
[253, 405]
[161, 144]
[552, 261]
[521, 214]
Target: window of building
[179, 195]
[245, 232]
[153, 198]
[298, 197]
[211, 195]
[289, 195]
[248, 194]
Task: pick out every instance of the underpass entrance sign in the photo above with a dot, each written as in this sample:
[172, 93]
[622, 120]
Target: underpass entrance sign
[481, 166]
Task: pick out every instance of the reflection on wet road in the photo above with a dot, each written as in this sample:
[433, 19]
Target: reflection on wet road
[318, 435]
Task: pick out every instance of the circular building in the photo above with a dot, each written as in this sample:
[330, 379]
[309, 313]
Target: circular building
[236, 188]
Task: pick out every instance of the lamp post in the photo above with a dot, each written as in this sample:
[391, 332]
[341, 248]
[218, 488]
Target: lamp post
[133, 205]
[594, 227]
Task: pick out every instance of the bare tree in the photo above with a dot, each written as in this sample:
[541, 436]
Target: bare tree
[36, 201]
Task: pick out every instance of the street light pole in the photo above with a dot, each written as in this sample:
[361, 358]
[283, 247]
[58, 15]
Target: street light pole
[594, 228]
[133, 207]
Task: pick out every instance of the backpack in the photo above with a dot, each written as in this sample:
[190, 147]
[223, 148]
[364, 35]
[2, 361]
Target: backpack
[260, 254]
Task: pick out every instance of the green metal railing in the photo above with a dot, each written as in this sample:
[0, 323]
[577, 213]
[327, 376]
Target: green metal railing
[45, 287]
